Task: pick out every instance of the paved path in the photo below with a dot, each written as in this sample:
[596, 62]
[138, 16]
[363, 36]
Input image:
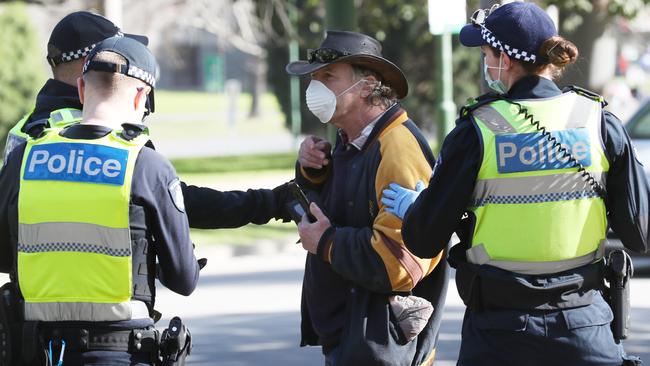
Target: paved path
[246, 312]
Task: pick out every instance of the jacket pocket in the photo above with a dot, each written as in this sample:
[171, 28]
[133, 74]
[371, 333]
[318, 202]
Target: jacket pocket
[595, 314]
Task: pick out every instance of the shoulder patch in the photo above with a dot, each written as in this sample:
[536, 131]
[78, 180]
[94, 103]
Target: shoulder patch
[176, 194]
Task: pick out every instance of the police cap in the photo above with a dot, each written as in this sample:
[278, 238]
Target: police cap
[140, 62]
[76, 35]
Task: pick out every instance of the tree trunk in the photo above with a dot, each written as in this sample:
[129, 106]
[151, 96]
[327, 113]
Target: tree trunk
[258, 86]
[584, 37]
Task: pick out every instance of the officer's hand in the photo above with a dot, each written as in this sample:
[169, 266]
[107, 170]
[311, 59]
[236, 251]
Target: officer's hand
[398, 199]
[313, 152]
[311, 232]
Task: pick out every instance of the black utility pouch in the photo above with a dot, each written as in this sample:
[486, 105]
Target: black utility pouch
[618, 273]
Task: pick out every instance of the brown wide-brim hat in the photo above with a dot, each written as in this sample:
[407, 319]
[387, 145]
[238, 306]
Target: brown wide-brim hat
[355, 49]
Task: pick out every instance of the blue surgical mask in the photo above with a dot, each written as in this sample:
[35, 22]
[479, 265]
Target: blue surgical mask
[496, 85]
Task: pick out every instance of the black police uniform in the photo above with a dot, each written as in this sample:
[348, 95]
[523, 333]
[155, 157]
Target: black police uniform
[506, 334]
[158, 227]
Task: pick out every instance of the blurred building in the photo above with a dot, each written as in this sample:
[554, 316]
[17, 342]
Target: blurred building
[190, 58]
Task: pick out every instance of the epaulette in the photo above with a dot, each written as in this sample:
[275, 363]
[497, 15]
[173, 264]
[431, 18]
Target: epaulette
[474, 103]
[35, 128]
[585, 93]
[132, 130]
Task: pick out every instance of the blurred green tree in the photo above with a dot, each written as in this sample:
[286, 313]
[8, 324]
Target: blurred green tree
[403, 31]
[402, 28]
[21, 69]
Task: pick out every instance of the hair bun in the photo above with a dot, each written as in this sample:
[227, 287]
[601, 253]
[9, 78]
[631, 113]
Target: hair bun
[559, 51]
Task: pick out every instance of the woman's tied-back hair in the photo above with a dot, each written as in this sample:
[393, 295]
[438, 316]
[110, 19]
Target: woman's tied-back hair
[556, 53]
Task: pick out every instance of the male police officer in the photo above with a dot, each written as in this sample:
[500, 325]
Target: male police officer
[95, 209]
[57, 104]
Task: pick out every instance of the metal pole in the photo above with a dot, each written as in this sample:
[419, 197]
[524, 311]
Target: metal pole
[339, 15]
[294, 86]
[113, 11]
[444, 75]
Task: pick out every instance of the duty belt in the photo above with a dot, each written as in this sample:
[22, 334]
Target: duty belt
[83, 339]
[486, 287]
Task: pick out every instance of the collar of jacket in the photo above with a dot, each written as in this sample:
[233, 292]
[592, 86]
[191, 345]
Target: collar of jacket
[52, 96]
[394, 116]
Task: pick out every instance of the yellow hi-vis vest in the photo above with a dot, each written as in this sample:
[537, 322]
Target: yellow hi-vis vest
[535, 214]
[74, 243]
[58, 118]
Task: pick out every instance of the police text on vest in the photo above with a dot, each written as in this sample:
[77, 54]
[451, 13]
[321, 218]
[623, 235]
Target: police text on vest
[532, 151]
[74, 162]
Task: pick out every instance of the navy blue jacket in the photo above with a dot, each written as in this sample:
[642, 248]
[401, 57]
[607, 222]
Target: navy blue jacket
[435, 215]
[53, 95]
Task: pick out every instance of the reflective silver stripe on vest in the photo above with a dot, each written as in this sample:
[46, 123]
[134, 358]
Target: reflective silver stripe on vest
[74, 237]
[85, 311]
[581, 111]
[12, 142]
[58, 116]
[493, 120]
[478, 255]
[545, 188]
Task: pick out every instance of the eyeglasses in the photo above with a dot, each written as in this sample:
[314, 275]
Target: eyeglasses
[478, 17]
[324, 55]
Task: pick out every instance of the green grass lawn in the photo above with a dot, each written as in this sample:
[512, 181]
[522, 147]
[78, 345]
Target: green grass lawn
[225, 164]
[188, 115]
[179, 102]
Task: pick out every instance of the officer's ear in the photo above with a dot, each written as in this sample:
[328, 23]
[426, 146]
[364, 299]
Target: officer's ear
[81, 88]
[507, 61]
[141, 98]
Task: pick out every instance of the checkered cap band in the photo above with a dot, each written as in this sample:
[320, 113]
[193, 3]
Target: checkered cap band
[74, 247]
[138, 73]
[492, 40]
[534, 198]
[75, 55]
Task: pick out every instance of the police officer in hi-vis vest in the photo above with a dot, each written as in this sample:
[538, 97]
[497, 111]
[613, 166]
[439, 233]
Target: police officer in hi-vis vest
[87, 211]
[58, 105]
[531, 179]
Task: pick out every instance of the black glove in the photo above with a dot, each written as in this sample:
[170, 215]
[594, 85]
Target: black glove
[202, 262]
[282, 195]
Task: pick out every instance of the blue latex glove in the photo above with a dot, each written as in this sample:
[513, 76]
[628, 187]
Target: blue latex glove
[398, 199]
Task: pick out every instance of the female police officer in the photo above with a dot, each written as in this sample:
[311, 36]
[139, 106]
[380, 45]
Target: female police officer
[538, 175]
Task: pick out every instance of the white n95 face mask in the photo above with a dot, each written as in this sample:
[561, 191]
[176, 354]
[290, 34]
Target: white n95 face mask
[321, 101]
